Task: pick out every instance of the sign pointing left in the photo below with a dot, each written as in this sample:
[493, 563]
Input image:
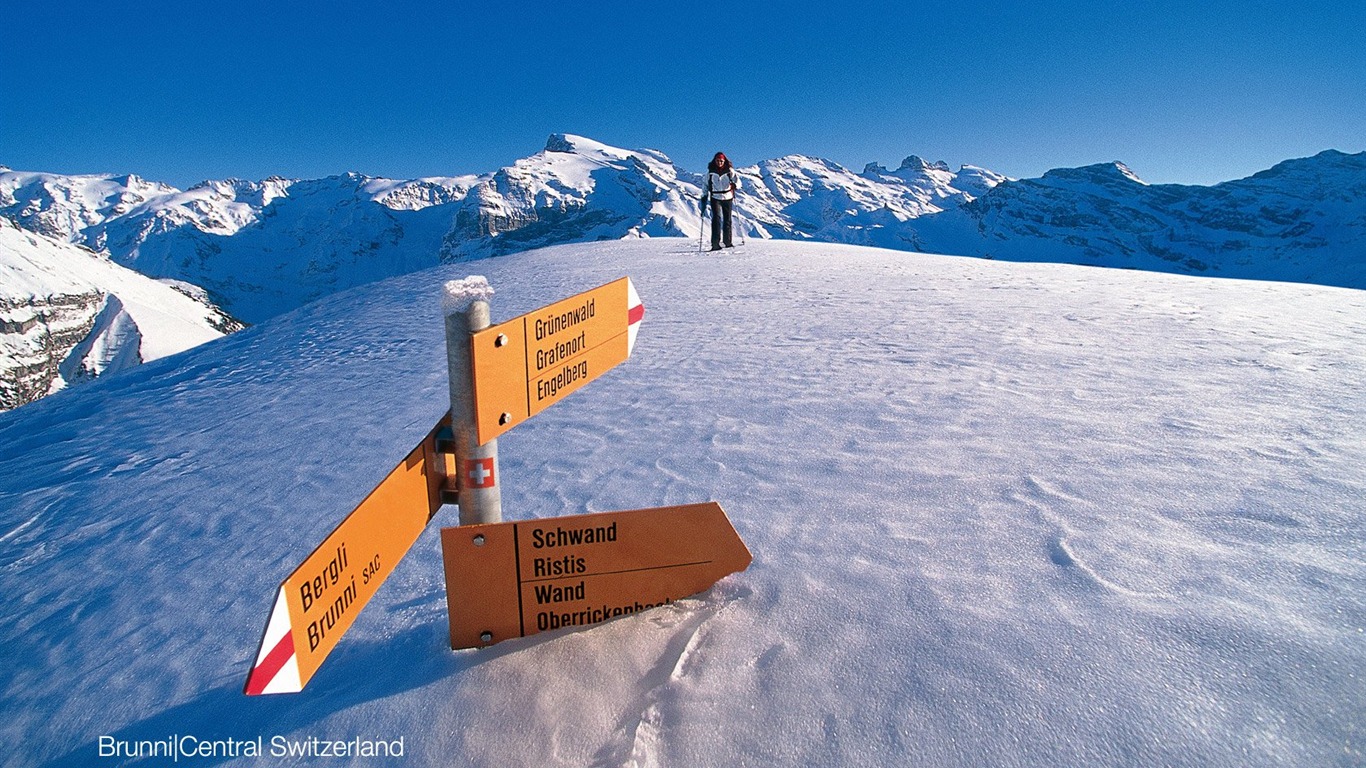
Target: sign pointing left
[320, 600]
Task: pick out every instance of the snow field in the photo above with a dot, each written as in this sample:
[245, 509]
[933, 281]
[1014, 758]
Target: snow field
[1001, 514]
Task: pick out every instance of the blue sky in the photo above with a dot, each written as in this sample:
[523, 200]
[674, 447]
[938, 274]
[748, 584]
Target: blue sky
[179, 92]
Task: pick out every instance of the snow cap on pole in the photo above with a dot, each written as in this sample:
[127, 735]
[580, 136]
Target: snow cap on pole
[460, 294]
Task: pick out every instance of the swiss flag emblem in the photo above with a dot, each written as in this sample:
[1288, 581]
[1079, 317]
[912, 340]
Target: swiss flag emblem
[479, 473]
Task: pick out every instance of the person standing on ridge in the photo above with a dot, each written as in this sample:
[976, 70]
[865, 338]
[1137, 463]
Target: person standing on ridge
[722, 181]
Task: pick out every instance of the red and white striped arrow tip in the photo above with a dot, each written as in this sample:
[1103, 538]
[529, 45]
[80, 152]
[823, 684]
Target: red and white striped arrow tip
[277, 667]
[635, 310]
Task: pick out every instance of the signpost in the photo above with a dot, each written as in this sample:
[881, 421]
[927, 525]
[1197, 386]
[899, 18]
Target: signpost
[519, 578]
[466, 306]
[503, 579]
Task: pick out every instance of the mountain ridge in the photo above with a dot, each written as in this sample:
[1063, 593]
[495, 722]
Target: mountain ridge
[69, 315]
[262, 248]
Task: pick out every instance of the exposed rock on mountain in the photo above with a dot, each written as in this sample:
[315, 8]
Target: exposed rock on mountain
[68, 315]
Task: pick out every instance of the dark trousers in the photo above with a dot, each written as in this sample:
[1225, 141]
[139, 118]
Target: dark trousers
[720, 222]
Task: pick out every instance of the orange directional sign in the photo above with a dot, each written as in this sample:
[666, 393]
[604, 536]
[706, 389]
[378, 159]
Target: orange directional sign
[516, 579]
[318, 602]
[528, 364]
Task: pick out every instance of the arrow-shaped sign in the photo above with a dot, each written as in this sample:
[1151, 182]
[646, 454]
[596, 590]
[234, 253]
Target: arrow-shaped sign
[318, 602]
[516, 579]
[531, 362]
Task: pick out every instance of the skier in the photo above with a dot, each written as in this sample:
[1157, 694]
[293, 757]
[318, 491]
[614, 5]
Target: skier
[722, 181]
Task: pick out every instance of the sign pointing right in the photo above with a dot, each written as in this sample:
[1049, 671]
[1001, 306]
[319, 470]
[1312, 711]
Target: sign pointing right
[529, 363]
[516, 579]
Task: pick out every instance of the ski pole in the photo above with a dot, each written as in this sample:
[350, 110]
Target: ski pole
[701, 224]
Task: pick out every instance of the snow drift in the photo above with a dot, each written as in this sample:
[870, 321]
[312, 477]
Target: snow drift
[1001, 514]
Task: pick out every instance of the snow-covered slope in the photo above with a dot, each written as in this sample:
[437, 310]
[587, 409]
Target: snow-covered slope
[1001, 514]
[262, 248]
[68, 315]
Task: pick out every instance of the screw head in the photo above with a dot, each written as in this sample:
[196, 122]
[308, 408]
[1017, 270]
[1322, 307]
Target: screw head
[501, 340]
[479, 540]
[504, 419]
[486, 636]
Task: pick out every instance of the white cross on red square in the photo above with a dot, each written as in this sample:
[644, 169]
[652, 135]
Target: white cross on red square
[479, 473]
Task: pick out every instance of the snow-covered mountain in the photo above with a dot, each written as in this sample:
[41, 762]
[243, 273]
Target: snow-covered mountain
[262, 248]
[259, 248]
[574, 190]
[1001, 515]
[68, 315]
[579, 190]
[265, 247]
[74, 208]
[807, 198]
[1303, 220]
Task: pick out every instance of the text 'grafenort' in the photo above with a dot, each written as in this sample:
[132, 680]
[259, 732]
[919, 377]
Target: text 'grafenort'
[562, 350]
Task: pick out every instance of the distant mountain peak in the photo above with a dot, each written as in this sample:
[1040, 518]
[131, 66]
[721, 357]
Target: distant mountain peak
[559, 142]
[1124, 170]
[917, 163]
[568, 142]
[1328, 164]
[1111, 172]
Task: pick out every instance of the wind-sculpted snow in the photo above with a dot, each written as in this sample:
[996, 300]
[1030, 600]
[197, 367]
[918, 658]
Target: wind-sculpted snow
[1001, 514]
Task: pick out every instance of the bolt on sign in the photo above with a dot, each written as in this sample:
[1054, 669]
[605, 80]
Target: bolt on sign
[529, 363]
[516, 579]
[318, 602]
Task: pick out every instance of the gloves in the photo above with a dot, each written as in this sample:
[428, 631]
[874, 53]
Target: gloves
[702, 207]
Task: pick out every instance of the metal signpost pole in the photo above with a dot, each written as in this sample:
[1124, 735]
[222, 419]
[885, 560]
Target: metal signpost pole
[466, 306]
